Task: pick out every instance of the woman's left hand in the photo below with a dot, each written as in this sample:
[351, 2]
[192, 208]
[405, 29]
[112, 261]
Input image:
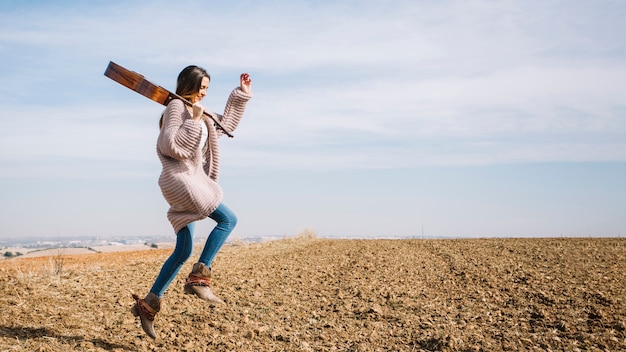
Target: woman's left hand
[245, 82]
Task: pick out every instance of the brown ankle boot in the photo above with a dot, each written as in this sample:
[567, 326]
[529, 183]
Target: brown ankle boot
[198, 283]
[146, 309]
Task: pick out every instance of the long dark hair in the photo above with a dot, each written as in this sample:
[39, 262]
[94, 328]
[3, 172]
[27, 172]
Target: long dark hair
[189, 80]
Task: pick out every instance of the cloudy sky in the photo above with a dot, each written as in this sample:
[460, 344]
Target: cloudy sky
[369, 118]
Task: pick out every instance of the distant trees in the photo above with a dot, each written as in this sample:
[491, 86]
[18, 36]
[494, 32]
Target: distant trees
[9, 254]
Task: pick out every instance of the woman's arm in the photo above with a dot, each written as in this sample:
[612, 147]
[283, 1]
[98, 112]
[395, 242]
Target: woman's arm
[179, 137]
[236, 104]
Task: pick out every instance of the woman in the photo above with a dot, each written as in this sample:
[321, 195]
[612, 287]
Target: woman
[189, 152]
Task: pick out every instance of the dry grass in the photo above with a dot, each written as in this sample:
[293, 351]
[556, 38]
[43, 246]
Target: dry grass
[310, 294]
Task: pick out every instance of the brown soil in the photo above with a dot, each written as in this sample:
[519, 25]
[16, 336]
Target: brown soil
[331, 295]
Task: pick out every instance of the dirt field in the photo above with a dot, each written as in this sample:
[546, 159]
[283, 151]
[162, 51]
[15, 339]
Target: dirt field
[331, 295]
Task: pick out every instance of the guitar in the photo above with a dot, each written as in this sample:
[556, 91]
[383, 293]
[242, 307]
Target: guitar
[136, 82]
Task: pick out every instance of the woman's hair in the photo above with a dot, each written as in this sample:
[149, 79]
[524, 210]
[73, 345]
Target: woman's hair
[188, 83]
[189, 80]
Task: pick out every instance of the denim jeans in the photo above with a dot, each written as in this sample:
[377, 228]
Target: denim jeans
[226, 221]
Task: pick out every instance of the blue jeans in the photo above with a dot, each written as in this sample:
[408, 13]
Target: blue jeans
[226, 221]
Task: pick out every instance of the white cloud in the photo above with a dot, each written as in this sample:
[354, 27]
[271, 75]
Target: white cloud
[337, 83]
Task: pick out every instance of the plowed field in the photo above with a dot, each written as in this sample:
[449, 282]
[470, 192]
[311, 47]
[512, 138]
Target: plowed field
[331, 295]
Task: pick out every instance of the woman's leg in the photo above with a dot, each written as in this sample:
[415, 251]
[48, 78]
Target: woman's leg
[184, 247]
[226, 221]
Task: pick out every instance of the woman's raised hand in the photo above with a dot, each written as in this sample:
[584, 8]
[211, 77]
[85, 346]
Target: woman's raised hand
[245, 83]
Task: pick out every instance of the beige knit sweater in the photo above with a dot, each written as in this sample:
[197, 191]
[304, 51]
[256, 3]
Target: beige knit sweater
[190, 172]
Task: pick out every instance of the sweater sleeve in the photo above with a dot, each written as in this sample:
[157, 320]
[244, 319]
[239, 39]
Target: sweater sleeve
[180, 136]
[233, 112]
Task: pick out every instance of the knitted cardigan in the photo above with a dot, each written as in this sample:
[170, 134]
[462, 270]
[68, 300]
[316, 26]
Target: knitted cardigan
[190, 172]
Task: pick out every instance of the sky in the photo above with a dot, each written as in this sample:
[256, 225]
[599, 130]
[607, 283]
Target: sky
[403, 118]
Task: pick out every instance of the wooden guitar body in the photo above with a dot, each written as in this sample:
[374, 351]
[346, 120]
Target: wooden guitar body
[139, 84]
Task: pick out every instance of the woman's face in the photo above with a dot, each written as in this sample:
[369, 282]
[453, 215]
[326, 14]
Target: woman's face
[195, 98]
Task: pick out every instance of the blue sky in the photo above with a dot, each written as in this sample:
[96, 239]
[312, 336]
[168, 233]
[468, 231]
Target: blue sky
[369, 118]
